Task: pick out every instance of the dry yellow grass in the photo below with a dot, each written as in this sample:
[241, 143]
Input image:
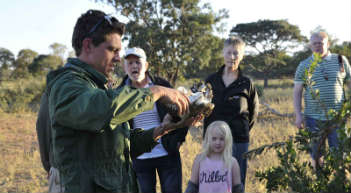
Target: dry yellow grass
[20, 166]
[21, 169]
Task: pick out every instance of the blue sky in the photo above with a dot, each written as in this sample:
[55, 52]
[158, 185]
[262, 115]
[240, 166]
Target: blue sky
[36, 24]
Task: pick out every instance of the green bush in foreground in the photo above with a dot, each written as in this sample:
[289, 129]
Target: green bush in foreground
[293, 174]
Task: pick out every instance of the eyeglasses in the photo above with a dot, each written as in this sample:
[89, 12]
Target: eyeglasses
[93, 29]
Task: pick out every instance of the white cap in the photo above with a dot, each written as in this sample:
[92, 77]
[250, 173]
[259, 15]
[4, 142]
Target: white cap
[136, 52]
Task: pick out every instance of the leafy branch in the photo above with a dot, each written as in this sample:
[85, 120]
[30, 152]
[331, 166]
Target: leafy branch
[299, 176]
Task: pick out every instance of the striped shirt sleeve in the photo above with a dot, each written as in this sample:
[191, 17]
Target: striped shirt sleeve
[300, 72]
[347, 69]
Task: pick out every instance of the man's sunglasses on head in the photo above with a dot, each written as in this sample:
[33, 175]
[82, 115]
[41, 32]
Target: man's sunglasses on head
[111, 21]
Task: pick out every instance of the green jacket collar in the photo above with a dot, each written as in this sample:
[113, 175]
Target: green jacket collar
[97, 76]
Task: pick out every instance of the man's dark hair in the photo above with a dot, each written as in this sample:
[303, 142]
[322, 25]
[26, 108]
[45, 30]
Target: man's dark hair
[96, 25]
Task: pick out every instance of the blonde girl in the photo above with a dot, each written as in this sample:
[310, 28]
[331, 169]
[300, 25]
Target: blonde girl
[215, 169]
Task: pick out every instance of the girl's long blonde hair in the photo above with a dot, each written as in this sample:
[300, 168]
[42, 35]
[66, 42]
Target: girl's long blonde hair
[224, 128]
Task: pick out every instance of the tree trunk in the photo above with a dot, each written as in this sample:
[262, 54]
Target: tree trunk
[265, 83]
[174, 78]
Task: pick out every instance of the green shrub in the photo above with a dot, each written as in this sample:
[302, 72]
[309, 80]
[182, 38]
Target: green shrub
[21, 95]
[296, 175]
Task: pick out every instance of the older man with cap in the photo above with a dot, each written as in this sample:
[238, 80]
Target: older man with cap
[164, 157]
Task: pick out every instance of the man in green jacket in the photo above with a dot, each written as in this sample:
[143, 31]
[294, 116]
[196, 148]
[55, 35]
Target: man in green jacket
[92, 141]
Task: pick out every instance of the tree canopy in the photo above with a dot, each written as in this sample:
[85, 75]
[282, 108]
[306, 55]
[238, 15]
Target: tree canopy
[271, 40]
[7, 58]
[58, 50]
[24, 58]
[176, 34]
[42, 64]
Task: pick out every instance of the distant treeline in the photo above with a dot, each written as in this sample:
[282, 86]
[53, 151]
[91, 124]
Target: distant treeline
[180, 43]
[29, 63]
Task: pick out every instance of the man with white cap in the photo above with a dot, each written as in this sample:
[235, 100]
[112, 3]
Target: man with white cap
[164, 157]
